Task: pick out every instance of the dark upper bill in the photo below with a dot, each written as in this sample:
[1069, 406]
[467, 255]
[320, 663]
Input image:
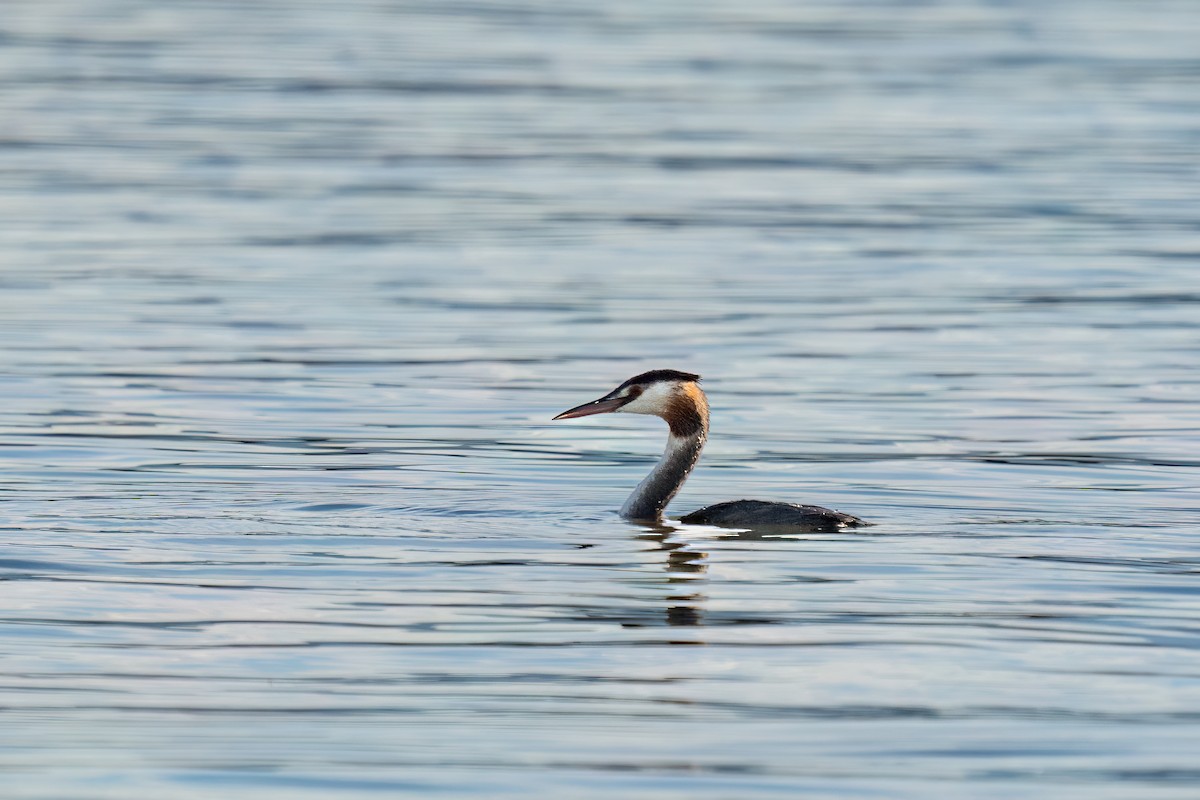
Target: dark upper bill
[602, 406]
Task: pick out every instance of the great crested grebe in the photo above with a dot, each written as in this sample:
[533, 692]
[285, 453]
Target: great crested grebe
[677, 398]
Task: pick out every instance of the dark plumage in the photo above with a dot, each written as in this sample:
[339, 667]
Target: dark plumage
[764, 514]
[656, 375]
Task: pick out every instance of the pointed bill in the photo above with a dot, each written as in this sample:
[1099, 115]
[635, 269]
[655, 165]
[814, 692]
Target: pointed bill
[604, 405]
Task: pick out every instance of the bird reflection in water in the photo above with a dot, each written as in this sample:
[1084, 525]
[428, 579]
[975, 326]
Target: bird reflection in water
[684, 566]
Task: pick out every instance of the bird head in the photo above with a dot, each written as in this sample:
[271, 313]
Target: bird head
[675, 396]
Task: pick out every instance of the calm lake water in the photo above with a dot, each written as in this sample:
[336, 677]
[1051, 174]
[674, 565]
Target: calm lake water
[289, 292]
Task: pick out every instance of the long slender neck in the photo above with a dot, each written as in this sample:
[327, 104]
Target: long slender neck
[688, 420]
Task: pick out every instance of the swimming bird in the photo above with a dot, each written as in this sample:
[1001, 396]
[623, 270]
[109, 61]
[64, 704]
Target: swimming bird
[677, 398]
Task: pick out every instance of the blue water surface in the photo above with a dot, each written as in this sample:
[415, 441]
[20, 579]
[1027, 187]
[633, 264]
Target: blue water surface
[289, 292]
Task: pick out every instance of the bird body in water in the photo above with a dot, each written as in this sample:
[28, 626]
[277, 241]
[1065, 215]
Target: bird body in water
[677, 398]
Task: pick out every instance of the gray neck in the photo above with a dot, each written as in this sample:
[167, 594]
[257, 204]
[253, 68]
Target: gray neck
[650, 498]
